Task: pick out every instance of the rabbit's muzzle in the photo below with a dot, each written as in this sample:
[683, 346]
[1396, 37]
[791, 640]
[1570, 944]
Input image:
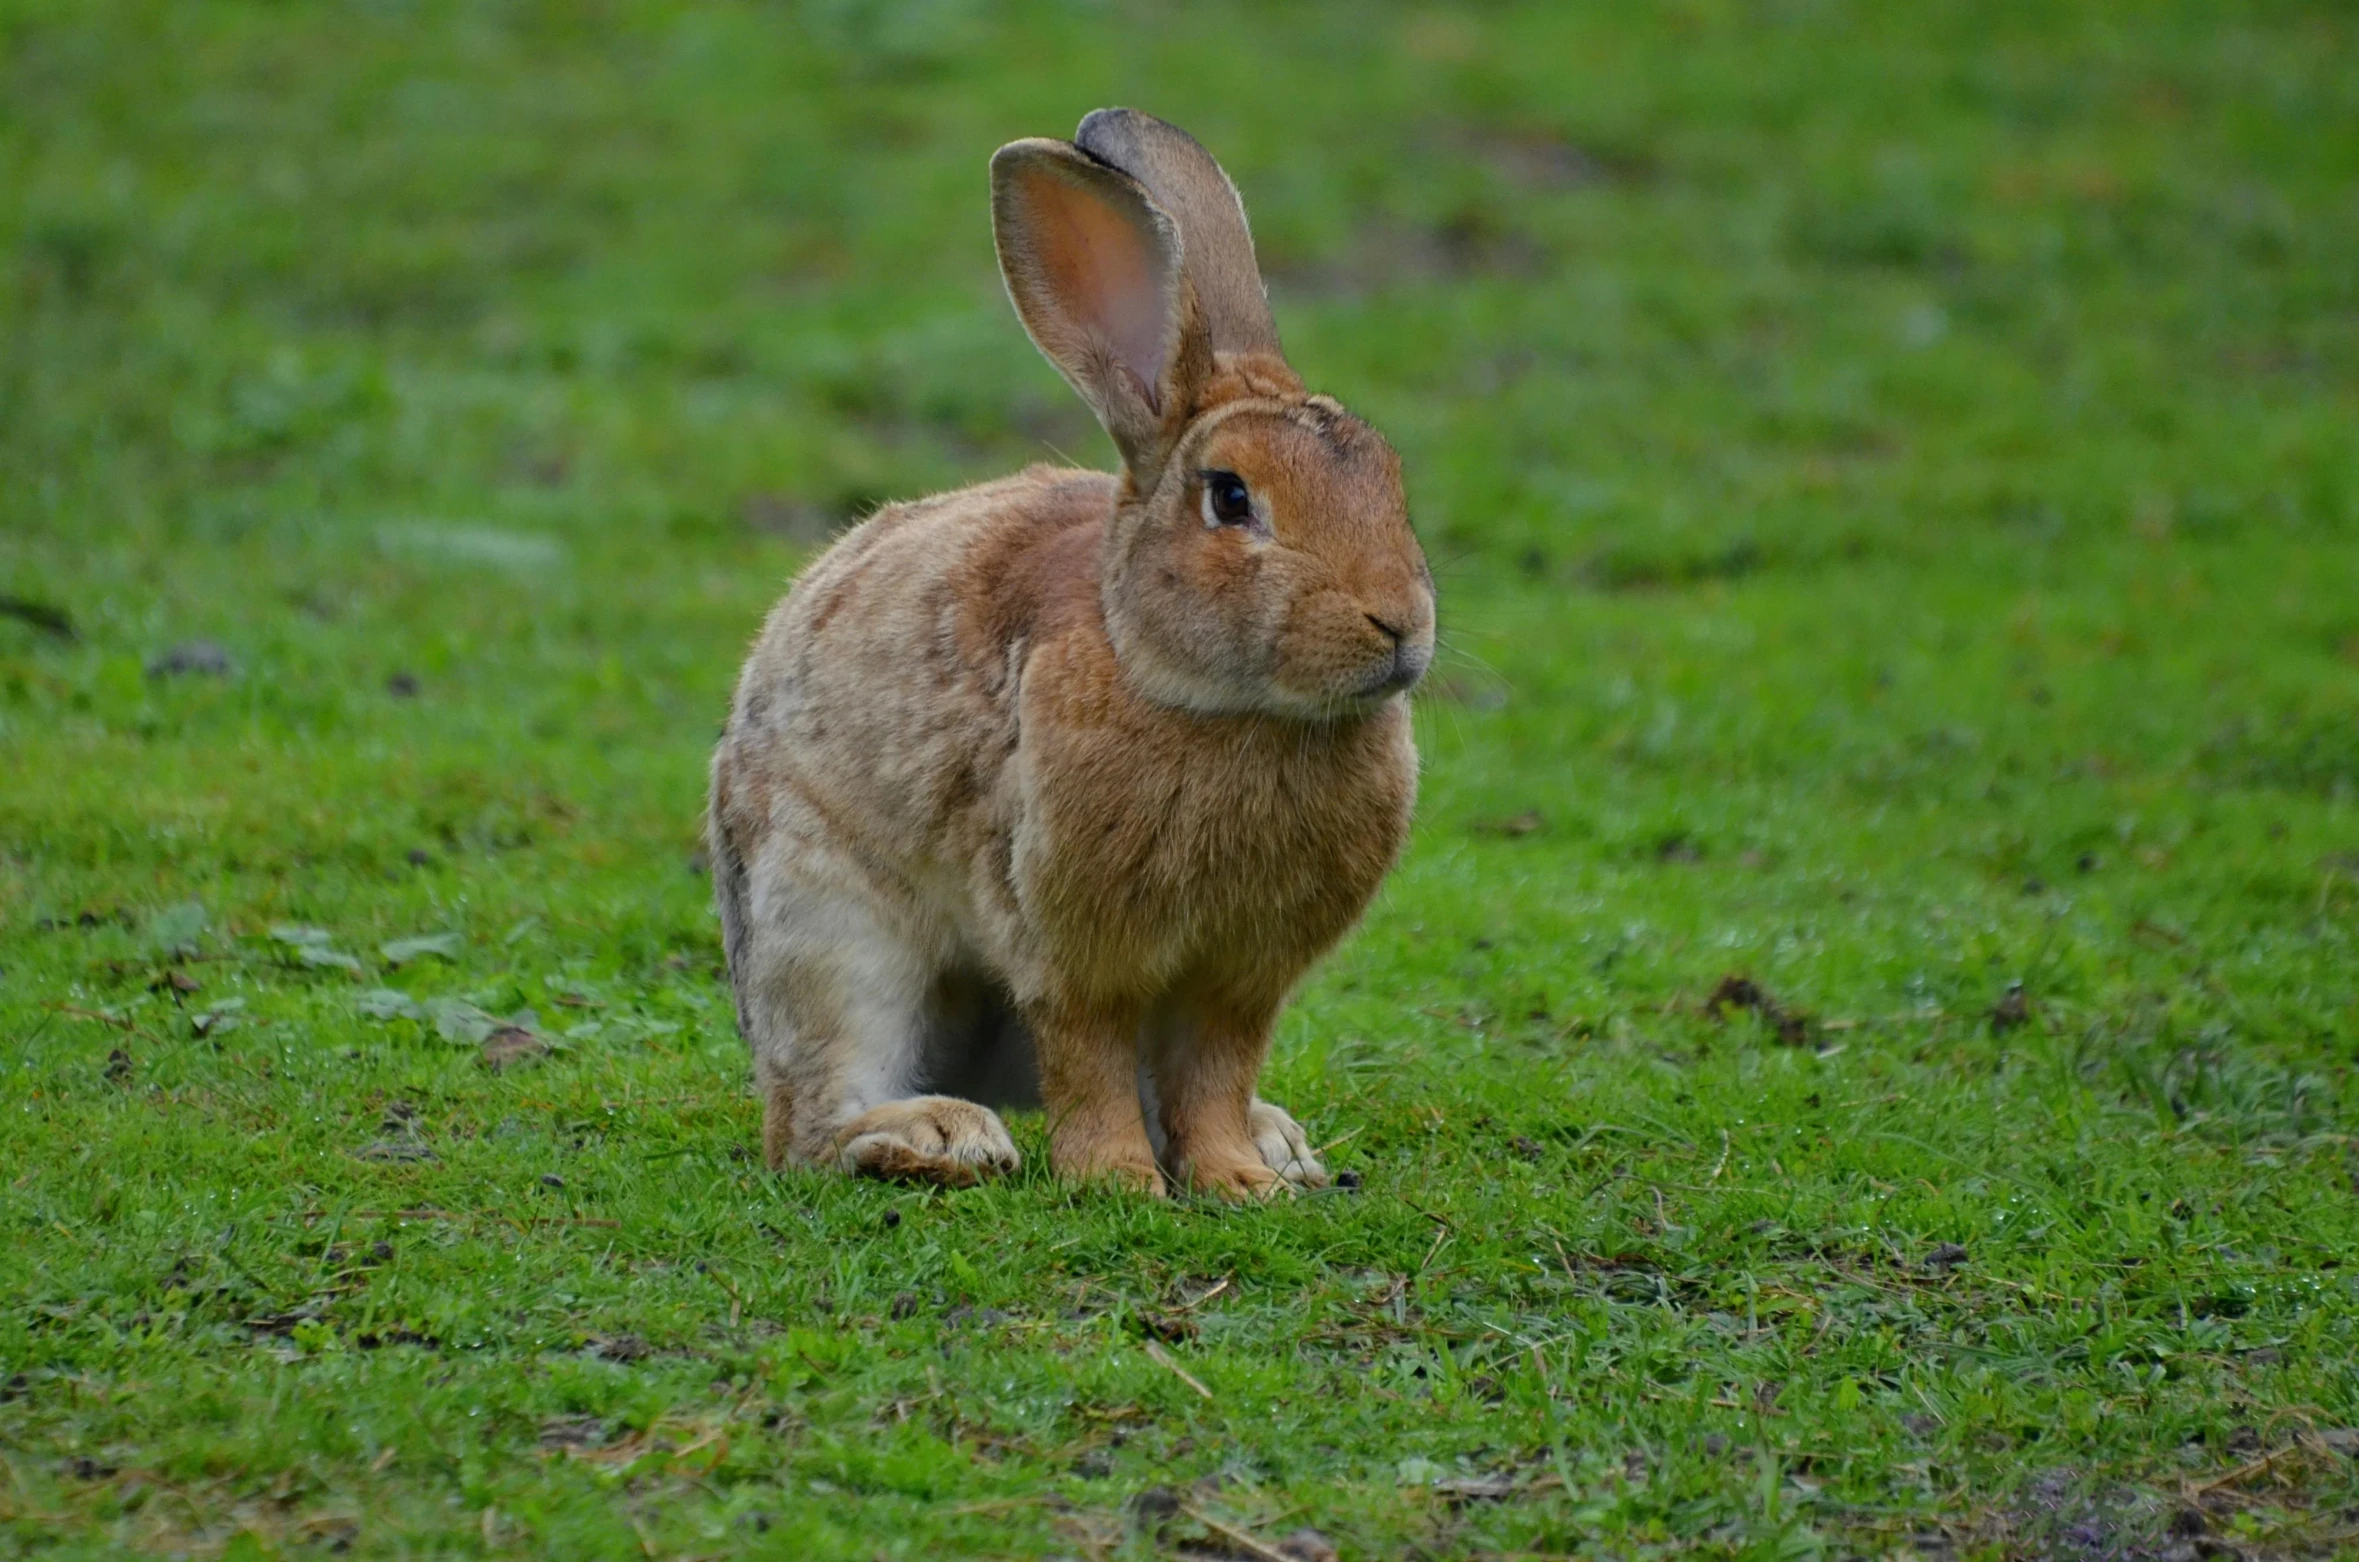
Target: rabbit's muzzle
[1359, 647]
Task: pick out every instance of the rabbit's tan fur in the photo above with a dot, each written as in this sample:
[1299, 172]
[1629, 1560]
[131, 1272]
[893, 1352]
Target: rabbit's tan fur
[1056, 786]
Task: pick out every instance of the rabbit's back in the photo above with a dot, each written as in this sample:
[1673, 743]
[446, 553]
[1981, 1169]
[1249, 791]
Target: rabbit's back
[876, 716]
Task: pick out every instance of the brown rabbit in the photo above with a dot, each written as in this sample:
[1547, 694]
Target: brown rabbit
[1051, 789]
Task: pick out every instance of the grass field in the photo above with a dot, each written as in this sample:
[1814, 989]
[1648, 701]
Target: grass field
[1893, 479]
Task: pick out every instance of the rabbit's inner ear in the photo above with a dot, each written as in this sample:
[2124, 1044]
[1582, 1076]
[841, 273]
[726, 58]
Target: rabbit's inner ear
[1102, 272]
[1093, 268]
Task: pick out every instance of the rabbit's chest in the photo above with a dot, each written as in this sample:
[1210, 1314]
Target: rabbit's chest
[1169, 848]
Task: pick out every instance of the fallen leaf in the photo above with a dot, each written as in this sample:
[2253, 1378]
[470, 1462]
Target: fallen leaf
[617, 1347]
[314, 946]
[1791, 1026]
[510, 1045]
[401, 951]
[383, 1003]
[458, 1021]
[563, 1432]
[1172, 1328]
[175, 931]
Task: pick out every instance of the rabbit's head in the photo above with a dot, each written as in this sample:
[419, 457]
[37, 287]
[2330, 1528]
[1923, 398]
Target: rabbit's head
[1261, 557]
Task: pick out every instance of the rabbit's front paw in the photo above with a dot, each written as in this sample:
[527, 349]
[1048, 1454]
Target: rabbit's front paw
[927, 1139]
[1283, 1148]
[1120, 1160]
[1241, 1178]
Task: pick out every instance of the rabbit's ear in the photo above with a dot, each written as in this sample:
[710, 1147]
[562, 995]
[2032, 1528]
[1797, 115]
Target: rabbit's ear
[1094, 268]
[1183, 179]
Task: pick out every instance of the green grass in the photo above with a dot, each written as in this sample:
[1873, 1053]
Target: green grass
[1892, 475]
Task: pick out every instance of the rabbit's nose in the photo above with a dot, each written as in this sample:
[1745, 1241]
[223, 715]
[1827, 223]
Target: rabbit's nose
[1409, 657]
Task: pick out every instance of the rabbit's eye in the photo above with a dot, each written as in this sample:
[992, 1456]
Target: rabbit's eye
[1227, 501]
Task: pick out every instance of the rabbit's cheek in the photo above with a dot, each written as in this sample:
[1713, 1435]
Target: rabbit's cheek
[1229, 611]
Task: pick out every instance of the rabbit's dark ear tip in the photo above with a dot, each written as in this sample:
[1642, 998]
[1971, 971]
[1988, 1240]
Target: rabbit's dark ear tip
[1103, 126]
